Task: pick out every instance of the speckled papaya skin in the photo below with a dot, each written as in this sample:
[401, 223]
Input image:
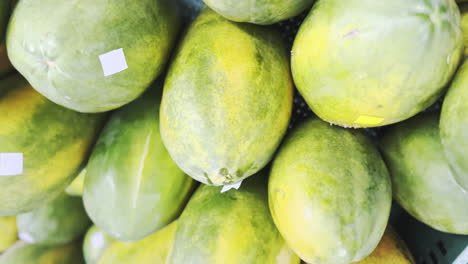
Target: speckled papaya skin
[232, 227]
[226, 104]
[262, 12]
[55, 141]
[24, 253]
[423, 183]
[95, 244]
[329, 193]
[367, 63]
[58, 52]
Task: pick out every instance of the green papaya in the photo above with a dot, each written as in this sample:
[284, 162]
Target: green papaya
[132, 187]
[231, 227]
[154, 248]
[226, 104]
[91, 56]
[95, 244]
[8, 232]
[262, 12]
[59, 222]
[24, 253]
[454, 126]
[329, 193]
[367, 63]
[76, 186]
[54, 142]
[423, 183]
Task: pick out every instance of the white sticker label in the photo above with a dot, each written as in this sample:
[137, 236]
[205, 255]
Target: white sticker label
[11, 164]
[463, 258]
[231, 186]
[113, 62]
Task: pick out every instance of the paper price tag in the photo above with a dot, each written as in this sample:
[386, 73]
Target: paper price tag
[231, 186]
[11, 164]
[113, 62]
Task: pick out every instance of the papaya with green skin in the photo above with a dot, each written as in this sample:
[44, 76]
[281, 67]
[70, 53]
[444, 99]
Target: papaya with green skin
[262, 12]
[132, 187]
[54, 141]
[154, 248]
[24, 253]
[59, 222]
[226, 104]
[76, 186]
[231, 227]
[95, 243]
[59, 52]
[366, 63]
[423, 183]
[329, 193]
[454, 126]
[8, 232]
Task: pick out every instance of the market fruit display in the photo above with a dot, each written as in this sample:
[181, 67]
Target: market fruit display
[54, 142]
[423, 183]
[263, 12]
[59, 222]
[329, 193]
[95, 243]
[367, 63]
[132, 187]
[24, 253]
[230, 227]
[227, 101]
[154, 248]
[8, 232]
[59, 52]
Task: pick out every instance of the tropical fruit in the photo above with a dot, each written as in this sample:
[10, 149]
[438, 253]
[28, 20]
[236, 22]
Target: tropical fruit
[263, 12]
[76, 187]
[53, 140]
[132, 187]
[226, 104]
[95, 244]
[230, 227]
[91, 56]
[59, 222]
[329, 193]
[454, 126]
[152, 249]
[391, 250]
[8, 232]
[24, 253]
[423, 182]
[367, 63]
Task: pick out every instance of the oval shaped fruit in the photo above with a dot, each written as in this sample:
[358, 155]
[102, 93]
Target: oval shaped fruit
[73, 56]
[154, 248]
[24, 253]
[423, 183]
[225, 110]
[59, 222]
[8, 232]
[95, 243]
[132, 187]
[76, 186]
[230, 227]
[454, 126]
[262, 12]
[54, 142]
[329, 193]
[366, 63]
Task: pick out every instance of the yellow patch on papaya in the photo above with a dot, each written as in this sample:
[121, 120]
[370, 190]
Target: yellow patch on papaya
[369, 120]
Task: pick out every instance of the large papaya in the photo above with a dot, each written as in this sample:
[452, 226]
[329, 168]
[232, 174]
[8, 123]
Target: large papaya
[95, 244]
[230, 227]
[154, 248]
[423, 183]
[226, 104]
[263, 12]
[59, 222]
[367, 63]
[8, 232]
[132, 187]
[24, 253]
[454, 126]
[329, 193]
[59, 52]
[54, 142]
